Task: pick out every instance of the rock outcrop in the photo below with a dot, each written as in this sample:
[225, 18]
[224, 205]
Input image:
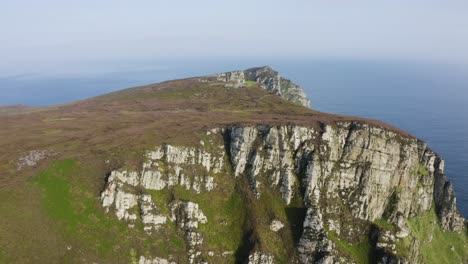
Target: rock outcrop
[127, 192]
[260, 258]
[269, 79]
[144, 260]
[121, 196]
[314, 246]
[168, 165]
[445, 200]
[374, 171]
[346, 175]
[276, 225]
[33, 157]
[188, 216]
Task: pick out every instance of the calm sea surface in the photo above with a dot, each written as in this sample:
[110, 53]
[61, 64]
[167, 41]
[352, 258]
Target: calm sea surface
[429, 101]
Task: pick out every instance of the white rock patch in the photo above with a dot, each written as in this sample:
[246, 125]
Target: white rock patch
[276, 225]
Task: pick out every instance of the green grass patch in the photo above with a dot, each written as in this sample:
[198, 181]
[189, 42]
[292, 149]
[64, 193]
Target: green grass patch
[250, 84]
[225, 214]
[75, 208]
[422, 170]
[445, 247]
[359, 252]
[3, 257]
[56, 188]
[384, 224]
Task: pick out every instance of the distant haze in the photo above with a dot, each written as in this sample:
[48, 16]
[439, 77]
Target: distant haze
[50, 35]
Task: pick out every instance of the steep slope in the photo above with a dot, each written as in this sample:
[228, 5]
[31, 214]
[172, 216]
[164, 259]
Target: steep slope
[219, 169]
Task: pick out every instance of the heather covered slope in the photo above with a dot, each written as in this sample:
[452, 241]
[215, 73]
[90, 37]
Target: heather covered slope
[148, 115]
[57, 165]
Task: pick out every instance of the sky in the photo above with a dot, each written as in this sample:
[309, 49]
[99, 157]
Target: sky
[52, 33]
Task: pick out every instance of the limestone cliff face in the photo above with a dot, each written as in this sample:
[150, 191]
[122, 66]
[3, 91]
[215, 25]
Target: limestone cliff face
[270, 80]
[345, 175]
[364, 167]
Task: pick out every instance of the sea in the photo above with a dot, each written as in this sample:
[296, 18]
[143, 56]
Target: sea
[427, 99]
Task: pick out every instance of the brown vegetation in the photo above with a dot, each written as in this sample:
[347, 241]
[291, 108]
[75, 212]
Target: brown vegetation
[138, 118]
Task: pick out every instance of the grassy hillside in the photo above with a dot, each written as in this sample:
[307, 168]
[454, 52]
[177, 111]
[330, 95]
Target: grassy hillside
[51, 211]
[437, 246]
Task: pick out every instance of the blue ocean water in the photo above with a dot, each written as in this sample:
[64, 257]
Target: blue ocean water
[428, 100]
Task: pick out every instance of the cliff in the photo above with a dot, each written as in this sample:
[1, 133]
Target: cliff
[344, 176]
[227, 168]
[269, 79]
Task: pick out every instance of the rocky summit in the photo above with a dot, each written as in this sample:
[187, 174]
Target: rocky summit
[269, 79]
[227, 168]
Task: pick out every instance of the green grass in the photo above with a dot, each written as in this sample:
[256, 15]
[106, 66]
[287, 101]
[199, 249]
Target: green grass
[3, 256]
[75, 207]
[56, 188]
[250, 84]
[225, 213]
[438, 250]
[76, 210]
[359, 252]
[422, 170]
[223, 208]
[384, 224]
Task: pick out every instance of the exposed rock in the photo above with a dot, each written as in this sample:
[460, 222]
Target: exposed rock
[241, 141]
[167, 166]
[348, 174]
[123, 203]
[414, 256]
[128, 177]
[269, 79]
[144, 260]
[445, 200]
[188, 216]
[121, 196]
[360, 166]
[386, 241]
[403, 230]
[385, 251]
[117, 196]
[260, 258]
[314, 246]
[276, 225]
[32, 158]
[149, 216]
[234, 79]
[272, 157]
[274, 83]
[227, 253]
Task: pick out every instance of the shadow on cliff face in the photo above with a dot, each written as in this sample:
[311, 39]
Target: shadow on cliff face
[250, 239]
[377, 254]
[249, 242]
[296, 217]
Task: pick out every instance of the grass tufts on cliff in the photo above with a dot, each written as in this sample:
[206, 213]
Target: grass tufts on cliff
[437, 246]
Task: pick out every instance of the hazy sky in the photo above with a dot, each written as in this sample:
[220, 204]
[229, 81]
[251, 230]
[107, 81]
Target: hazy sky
[52, 32]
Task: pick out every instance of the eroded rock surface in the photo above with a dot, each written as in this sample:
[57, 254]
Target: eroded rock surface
[32, 158]
[156, 260]
[260, 258]
[276, 225]
[168, 165]
[269, 79]
[346, 175]
[188, 216]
